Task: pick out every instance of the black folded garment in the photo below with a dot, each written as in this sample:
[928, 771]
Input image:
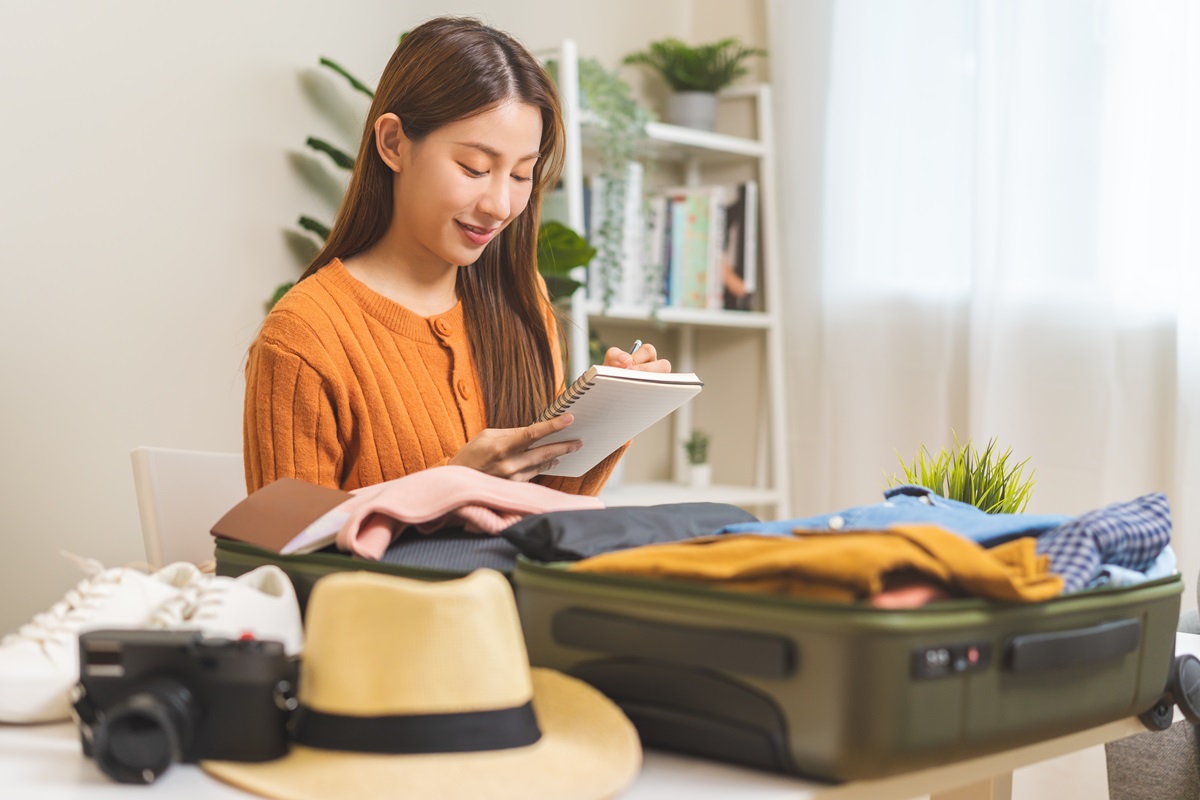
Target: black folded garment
[452, 549]
[572, 535]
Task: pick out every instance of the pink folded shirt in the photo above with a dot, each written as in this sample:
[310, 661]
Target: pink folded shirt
[440, 496]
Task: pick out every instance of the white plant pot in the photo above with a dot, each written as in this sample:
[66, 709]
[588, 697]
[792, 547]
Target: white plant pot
[700, 475]
[692, 110]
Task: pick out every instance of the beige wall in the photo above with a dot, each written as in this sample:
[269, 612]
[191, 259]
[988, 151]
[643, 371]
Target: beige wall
[153, 161]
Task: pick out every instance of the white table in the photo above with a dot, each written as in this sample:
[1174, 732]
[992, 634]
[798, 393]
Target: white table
[45, 761]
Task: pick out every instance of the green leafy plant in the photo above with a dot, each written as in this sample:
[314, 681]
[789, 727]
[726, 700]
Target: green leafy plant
[989, 480]
[559, 250]
[703, 68]
[696, 447]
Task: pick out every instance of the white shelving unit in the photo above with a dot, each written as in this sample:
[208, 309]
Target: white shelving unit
[765, 489]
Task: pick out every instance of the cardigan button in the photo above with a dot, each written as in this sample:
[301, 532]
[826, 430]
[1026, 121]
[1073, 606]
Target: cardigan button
[441, 326]
[464, 389]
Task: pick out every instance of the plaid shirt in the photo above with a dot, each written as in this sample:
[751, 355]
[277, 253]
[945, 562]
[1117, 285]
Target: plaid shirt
[1130, 535]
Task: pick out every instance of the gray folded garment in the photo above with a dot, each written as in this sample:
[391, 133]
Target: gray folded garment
[451, 550]
[573, 535]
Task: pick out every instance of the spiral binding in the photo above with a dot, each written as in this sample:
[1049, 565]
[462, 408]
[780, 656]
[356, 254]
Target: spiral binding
[568, 398]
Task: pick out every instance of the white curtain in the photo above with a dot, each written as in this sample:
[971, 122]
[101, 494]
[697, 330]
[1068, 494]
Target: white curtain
[1003, 199]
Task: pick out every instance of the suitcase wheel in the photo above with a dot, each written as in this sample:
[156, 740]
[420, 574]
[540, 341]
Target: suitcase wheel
[1158, 717]
[1184, 687]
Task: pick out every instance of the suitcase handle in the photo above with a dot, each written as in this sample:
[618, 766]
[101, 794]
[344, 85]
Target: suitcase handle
[1036, 652]
[727, 649]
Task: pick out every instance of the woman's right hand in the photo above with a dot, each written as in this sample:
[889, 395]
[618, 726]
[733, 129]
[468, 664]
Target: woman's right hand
[514, 453]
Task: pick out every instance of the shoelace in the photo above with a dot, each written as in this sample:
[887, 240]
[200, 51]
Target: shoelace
[197, 603]
[210, 601]
[183, 607]
[63, 619]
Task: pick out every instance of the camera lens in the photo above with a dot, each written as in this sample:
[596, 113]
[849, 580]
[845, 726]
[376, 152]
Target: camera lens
[140, 736]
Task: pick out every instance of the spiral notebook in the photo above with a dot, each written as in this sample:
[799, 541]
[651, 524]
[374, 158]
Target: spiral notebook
[612, 405]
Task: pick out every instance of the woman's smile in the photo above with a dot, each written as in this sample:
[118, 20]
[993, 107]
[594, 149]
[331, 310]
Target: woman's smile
[476, 235]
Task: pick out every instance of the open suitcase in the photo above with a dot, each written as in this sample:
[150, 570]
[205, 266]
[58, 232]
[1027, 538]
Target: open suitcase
[414, 558]
[250, 535]
[842, 692]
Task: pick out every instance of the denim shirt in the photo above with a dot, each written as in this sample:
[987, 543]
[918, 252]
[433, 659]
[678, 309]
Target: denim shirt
[908, 503]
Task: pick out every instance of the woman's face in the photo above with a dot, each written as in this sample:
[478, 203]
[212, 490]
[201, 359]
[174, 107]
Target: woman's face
[465, 182]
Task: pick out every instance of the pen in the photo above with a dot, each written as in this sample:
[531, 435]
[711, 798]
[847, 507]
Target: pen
[636, 344]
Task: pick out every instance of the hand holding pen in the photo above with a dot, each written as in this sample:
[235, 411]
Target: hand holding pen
[641, 356]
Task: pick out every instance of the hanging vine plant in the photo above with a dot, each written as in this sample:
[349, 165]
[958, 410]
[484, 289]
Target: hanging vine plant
[617, 128]
[618, 135]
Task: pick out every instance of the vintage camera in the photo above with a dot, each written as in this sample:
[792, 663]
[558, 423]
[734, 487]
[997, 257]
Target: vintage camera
[148, 698]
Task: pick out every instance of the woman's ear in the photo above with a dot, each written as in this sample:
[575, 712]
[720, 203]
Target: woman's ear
[390, 140]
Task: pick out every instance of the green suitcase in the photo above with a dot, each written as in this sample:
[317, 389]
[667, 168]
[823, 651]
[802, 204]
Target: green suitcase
[235, 558]
[846, 691]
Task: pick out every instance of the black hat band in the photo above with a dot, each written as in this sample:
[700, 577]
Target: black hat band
[458, 732]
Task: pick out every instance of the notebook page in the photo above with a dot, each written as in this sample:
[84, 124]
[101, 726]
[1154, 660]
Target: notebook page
[611, 411]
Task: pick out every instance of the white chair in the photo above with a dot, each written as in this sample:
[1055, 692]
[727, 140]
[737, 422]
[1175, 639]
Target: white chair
[181, 494]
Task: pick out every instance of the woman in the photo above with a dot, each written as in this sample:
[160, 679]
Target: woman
[421, 334]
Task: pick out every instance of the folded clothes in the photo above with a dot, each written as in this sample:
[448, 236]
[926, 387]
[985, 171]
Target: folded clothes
[905, 504]
[1129, 535]
[572, 535]
[842, 566]
[1164, 566]
[440, 496]
[451, 549]
[1125, 538]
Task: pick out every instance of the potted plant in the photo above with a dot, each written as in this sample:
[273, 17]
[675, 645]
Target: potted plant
[985, 480]
[695, 75]
[696, 447]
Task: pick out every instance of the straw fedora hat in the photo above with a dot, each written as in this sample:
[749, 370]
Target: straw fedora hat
[414, 689]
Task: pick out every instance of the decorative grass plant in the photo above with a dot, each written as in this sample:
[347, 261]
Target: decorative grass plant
[990, 480]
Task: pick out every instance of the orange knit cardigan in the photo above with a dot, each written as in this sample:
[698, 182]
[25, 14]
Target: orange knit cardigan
[347, 388]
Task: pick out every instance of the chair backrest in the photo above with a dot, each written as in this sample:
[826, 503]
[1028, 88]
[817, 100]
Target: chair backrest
[181, 494]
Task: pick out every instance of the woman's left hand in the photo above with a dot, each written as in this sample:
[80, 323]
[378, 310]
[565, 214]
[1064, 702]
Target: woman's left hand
[644, 358]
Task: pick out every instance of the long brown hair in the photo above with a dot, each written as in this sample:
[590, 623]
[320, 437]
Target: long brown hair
[444, 70]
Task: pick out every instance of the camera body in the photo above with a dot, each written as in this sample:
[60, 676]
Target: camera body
[148, 698]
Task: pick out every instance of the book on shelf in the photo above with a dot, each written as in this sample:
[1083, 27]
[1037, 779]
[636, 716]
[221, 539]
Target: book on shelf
[612, 405]
[693, 238]
[739, 253]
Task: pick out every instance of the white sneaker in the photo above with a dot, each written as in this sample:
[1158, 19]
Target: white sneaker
[39, 664]
[261, 603]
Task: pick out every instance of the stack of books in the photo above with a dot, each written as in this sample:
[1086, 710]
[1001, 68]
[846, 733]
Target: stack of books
[705, 241]
[686, 247]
